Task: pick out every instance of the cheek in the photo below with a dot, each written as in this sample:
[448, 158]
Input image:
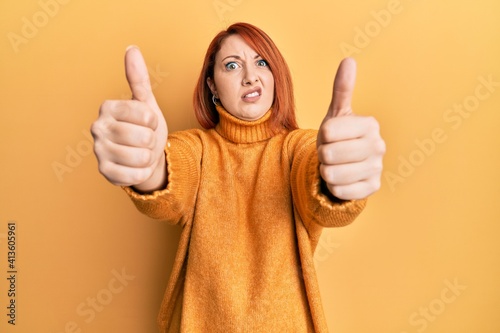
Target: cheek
[225, 86]
[270, 85]
[269, 78]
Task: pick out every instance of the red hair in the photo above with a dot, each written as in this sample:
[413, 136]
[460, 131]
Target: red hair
[283, 108]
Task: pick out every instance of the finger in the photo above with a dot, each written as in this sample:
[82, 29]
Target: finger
[131, 111]
[123, 175]
[349, 151]
[343, 88]
[345, 174]
[133, 157]
[346, 128]
[138, 76]
[127, 134]
[354, 191]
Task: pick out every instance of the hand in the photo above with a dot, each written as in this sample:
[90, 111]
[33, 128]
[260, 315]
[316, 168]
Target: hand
[130, 135]
[350, 149]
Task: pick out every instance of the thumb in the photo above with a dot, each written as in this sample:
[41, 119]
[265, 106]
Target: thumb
[343, 88]
[138, 77]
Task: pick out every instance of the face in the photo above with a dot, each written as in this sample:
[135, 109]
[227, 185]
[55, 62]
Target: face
[242, 80]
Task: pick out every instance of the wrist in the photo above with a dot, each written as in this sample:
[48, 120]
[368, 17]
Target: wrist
[157, 181]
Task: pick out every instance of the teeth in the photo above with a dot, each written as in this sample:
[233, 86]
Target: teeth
[254, 94]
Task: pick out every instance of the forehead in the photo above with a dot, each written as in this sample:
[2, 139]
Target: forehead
[235, 45]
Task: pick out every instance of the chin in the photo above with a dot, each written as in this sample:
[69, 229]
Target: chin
[254, 113]
[252, 116]
[249, 114]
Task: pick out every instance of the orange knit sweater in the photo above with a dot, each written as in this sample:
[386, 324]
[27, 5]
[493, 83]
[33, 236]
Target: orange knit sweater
[251, 208]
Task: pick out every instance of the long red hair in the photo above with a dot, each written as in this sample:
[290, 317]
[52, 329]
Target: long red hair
[283, 108]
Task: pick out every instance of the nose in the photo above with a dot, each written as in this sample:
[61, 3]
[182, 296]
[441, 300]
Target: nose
[249, 77]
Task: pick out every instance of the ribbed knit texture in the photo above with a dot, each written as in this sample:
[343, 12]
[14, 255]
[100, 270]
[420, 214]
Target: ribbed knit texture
[251, 208]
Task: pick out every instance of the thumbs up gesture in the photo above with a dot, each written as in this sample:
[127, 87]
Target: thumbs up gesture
[350, 149]
[130, 135]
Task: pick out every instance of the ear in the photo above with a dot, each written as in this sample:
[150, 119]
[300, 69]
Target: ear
[211, 85]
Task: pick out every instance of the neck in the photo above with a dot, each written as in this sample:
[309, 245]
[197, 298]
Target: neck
[242, 131]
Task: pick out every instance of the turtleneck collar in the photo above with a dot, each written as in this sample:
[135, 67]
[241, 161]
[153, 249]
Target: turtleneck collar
[242, 131]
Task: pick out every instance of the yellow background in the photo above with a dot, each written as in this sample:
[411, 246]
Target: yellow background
[431, 225]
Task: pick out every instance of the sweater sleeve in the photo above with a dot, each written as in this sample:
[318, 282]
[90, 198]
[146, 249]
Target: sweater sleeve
[176, 202]
[311, 198]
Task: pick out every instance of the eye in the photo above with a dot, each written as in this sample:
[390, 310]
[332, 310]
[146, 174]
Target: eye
[230, 66]
[262, 63]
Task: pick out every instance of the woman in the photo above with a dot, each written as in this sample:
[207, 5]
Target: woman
[251, 191]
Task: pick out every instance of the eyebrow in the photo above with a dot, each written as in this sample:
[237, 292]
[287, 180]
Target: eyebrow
[238, 57]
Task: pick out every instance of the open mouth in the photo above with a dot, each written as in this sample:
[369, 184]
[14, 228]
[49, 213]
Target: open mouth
[252, 95]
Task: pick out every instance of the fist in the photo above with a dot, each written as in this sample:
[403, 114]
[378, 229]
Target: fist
[130, 135]
[350, 149]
